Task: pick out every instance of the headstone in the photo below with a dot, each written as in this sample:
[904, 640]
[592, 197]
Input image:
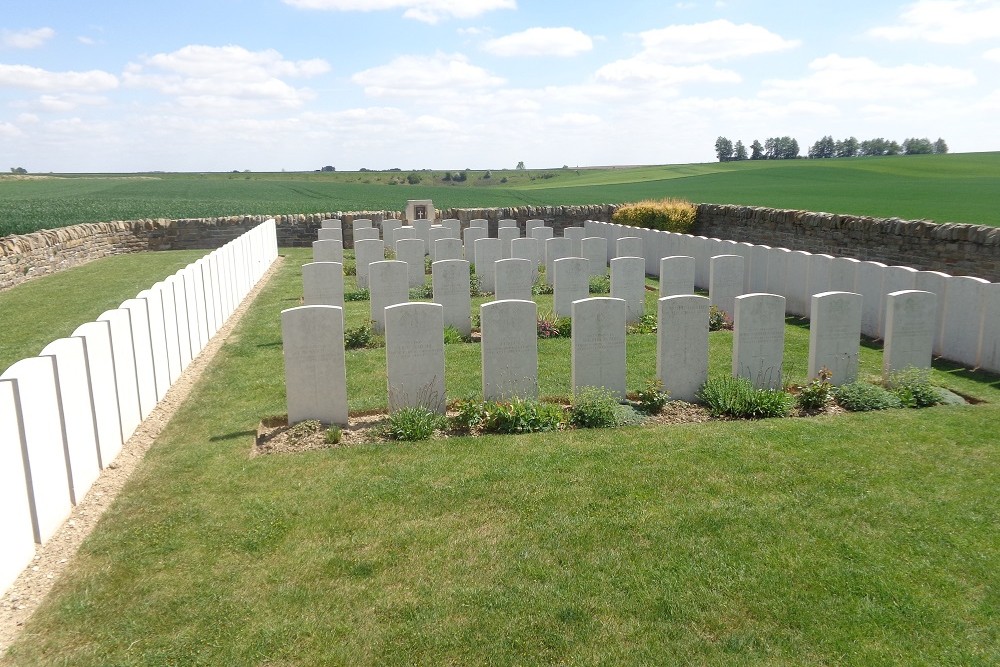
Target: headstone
[628, 283]
[388, 285]
[411, 251]
[682, 345]
[543, 234]
[506, 236]
[447, 248]
[797, 283]
[777, 272]
[181, 315]
[312, 339]
[575, 234]
[760, 254]
[819, 277]
[744, 250]
[487, 251]
[989, 337]
[414, 351]
[436, 233]
[481, 223]
[389, 228]
[422, 229]
[366, 252]
[759, 339]
[571, 283]
[76, 414]
[47, 473]
[895, 279]
[104, 391]
[509, 349]
[629, 246]
[556, 248]
[323, 284]
[835, 336]
[200, 315]
[328, 251]
[157, 339]
[15, 520]
[513, 279]
[142, 349]
[598, 344]
[532, 224]
[844, 274]
[936, 282]
[450, 283]
[359, 224]
[366, 233]
[528, 249]
[405, 232]
[868, 283]
[698, 247]
[676, 276]
[963, 319]
[506, 222]
[595, 250]
[454, 227]
[330, 223]
[909, 331]
[725, 281]
[470, 236]
[330, 235]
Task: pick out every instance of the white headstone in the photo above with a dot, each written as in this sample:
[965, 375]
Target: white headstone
[165, 290]
[682, 345]
[422, 229]
[49, 481]
[963, 319]
[404, 232]
[414, 352]
[506, 236]
[676, 276]
[819, 278]
[487, 252]
[542, 233]
[844, 274]
[629, 246]
[595, 250]
[909, 331]
[158, 339]
[366, 252]
[571, 277]
[759, 339]
[513, 279]
[411, 251]
[760, 255]
[454, 227]
[869, 284]
[509, 349]
[725, 281]
[506, 222]
[628, 282]
[532, 224]
[895, 279]
[797, 283]
[936, 282]
[104, 391]
[389, 228]
[989, 337]
[323, 284]
[142, 349]
[361, 223]
[436, 233]
[124, 366]
[470, 236]
[330, 223]
[312, 339]
[528, 249]
[482, 223]
[181, 315]
[366, 233]
[598, 344]
[835, 335]
[555, 248]
[777, 272]
[447, 248]
[388, 285]
[15, 520]
[575, 234]
[450, 284]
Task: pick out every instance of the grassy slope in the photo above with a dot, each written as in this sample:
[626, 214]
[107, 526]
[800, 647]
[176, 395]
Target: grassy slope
[849, 540]
[945, 188]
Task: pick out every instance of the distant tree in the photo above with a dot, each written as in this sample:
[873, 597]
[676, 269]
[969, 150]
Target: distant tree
[781, 148]
[413, 178]
[447, 176]
[916, 146]
[520, 165]
[460, 177]
[756, 151]
[846, 148]
[487, 176]
[824, 148]
[740, 151]
[940, 147]
[723, 149]
[328, 168]
[18, 170]
[363, 169]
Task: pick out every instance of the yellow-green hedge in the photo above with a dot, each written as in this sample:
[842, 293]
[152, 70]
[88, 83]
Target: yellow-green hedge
[670, 215]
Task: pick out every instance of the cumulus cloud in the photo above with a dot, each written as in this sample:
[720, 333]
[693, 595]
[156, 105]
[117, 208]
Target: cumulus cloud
[428, 11]
[945, 22]
[837, 77]
[562, 42]
[636, 70]
[419, 76]
[26, 39]
[35, 78]
[200, 75]
[713, 40]
[992, 55]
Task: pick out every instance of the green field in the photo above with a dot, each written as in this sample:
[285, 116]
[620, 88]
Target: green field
[943, 188]
[854, 539]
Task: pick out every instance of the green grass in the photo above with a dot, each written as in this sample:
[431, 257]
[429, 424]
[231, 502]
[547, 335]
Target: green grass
[39, 311]
[945, 188]
[845, 540]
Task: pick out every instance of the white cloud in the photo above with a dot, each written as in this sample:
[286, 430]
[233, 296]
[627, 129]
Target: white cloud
[714, 40]
[836, 77]
[208, 76]
[992, 55]
[419, 76]
[428, 11]
[637, 70]
[34, 78]
[9, 130]
[563, 42]
[945, 22]
[26, 39]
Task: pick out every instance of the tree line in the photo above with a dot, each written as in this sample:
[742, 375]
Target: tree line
[787, 148]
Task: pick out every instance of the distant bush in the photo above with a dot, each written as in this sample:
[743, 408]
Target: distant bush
[736, 397]
[670, 215]
[413, 178]
[864, 397]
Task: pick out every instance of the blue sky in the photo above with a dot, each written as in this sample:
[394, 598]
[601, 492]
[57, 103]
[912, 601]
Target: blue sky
[216, 85]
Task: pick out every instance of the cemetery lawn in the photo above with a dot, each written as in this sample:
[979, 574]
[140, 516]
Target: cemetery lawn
[956, 187]
[851, 539]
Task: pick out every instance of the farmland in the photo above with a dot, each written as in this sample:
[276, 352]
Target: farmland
[943, 188]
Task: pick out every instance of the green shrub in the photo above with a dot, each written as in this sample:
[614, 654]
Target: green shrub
[550, 326]
[736, 397]
[425, 291]
[913, 388]
[350, 267]
[671, 215]
[469, 415]
[645, 325]
[817, 393]
[362, 336]
[540, 286]
[652, 398]
[361, 294]
[864, 397]
[475, 285]
[719, 320]
[597, 407]
[600, 284]
[332, 435]
[453, 335]
[414, 423]
[427, 265]
[520, 416]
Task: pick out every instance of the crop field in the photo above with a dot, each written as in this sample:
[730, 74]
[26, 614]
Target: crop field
[943, 188]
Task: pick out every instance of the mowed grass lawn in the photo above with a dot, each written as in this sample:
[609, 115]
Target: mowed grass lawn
[855, 539]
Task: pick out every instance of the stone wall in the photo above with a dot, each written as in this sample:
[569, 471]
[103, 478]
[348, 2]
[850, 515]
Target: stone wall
[956, 249]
